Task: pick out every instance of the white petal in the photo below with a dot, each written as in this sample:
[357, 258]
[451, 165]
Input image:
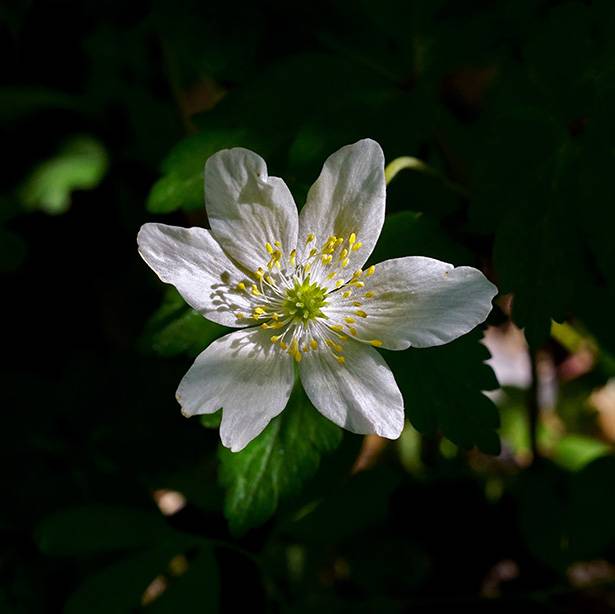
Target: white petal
[420, 302]
[348, 196]
[360, 395]
[247, 208]
[244, 374]
[191, 260]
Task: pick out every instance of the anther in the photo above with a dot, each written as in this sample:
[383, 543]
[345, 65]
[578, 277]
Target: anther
[241, 286]
[349, 320]
[339, 283]
[376, 342]
[347, 293]
[356, 246]
[340, 359]
[352, 238]
[277, 243]
[361, 313]
[269, 247]
[314, 344]
[368, 294]
[255, 290]
[356, 303]
[370, 270]
[293, 257]
[345, 262]
[309, 238]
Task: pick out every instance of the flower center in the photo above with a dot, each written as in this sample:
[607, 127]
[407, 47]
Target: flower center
[304, 300]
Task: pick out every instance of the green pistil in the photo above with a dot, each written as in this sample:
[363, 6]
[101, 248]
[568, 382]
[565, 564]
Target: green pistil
[305, 300]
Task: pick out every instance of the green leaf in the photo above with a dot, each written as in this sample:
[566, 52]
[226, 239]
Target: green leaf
[118, 587]
[211, 421]
[442, 391]
[79, 165]
[97, 528]
[574, 451]
[276, 464]
[176, 329]
[181, 184]
[410, 233]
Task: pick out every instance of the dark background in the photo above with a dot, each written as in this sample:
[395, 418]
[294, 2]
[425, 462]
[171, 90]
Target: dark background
[108, 112]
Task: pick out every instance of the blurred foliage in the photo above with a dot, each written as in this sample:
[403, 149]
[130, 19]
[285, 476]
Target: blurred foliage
[499, 115]
[79, 165]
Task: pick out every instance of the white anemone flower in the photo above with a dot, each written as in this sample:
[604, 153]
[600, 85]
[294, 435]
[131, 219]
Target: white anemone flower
[295, 287]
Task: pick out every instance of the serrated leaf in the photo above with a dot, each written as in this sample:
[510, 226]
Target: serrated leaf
[97, 528]
[177, 329]
[276, 464]
[79, 165]
[442, 391]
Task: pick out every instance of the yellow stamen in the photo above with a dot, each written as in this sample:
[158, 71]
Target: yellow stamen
[358, 284]
[283, 345]
[340, 359]
[275, 338]
[349, 320]
[326, 259]
[241, 286]
[368, 294]
[347, 293]
[334, 346]
[255, 290]
[356, 246]
[361, 313]
[314, 344]
[259, 311]
[337, 327]
[269, 247]
[339, 283]
[376, 342]
[309, 238]
[259, 273]
[277, 244]
[352, 238]
[293, 257]
[356, 303]
[370, 270]
[343, 254]
[353, 331]
[345, 262]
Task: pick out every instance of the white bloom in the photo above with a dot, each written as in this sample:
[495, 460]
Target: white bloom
[295, 286]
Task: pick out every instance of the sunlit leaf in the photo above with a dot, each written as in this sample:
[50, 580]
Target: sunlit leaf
[275, 465]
